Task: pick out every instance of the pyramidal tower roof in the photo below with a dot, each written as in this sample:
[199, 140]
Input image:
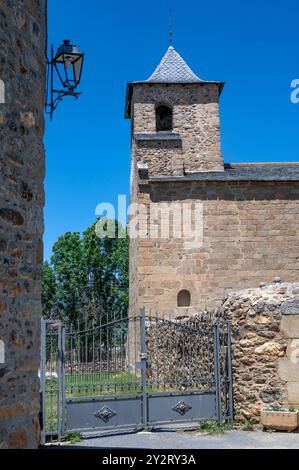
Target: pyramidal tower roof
[173, 69]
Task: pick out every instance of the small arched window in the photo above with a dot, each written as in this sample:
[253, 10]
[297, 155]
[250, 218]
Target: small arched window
[163, 118]
[184, 298]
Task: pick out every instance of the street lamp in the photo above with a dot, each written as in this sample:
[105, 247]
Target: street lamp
[68, 64]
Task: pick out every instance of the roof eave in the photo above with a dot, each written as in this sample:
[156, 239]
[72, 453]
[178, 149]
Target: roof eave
[284, 172]
[130, 85]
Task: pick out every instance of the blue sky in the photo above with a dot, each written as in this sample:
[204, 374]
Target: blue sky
[252, 46]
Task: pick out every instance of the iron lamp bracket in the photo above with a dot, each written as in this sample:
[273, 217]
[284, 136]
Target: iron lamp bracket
[55, 96]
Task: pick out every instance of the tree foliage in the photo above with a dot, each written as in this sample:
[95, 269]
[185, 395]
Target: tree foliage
[87, 278]
[49, 289]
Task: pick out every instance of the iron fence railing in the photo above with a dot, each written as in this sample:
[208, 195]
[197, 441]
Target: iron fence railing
[142, 356]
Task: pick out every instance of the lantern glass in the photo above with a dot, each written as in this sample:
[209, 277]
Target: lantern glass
[77, 69]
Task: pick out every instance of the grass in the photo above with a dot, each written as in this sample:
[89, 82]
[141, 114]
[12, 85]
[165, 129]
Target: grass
[92, 384]
[248, 426]
[278, 408]
[213, 427]
[73, 438]
[51, 417]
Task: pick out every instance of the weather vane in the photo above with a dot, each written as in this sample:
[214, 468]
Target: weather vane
[170, 27]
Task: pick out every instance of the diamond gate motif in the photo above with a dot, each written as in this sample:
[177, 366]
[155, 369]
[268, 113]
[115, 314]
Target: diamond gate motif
[105, 414]
[135, 372]
[181, 407]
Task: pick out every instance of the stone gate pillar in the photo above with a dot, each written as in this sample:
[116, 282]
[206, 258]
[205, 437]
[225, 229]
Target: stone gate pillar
[22, 97]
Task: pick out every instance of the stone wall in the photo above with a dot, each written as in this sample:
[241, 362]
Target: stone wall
[250, 232]
[195, 119]
[265, 339]
[22, 69]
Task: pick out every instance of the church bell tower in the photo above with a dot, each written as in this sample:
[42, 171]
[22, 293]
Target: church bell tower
[175, 132]
[175, 120]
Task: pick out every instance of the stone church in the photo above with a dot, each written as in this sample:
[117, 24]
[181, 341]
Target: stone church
[250, 212]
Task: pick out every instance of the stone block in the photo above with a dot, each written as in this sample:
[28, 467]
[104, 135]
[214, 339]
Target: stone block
[27, 119]
[288, 370]
[291, 307]
[262, 320]
[270, 395]
[290, 326]
[270, 349]
[293, 393]
[293, 350]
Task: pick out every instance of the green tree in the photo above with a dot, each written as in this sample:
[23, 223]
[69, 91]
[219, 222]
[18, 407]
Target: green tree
[120, 258]
[107, 264]
[90, 275]
[49, 290]
[71, 275]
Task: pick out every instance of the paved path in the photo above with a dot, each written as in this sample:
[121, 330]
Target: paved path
[179, 440]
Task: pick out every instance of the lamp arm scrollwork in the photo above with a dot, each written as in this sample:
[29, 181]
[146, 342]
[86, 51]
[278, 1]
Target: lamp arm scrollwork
[53, 96]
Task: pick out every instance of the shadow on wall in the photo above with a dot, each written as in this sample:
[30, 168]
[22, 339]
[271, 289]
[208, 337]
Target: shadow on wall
[223, 190]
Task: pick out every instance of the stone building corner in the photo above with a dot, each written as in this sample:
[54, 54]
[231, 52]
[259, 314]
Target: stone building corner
[22, 74]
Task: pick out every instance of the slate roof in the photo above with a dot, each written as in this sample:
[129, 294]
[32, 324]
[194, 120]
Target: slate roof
[173, 69]
[240, 172]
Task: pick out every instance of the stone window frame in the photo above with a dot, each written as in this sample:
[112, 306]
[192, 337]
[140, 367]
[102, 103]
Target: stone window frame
[184, 298]
[169, 107]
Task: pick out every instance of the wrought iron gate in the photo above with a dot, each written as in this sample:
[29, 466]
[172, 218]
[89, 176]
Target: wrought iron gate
[135, 373]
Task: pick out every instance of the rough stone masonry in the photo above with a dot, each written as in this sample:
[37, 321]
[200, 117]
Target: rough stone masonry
[22, 74]
[250, 212]
[265, 341]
